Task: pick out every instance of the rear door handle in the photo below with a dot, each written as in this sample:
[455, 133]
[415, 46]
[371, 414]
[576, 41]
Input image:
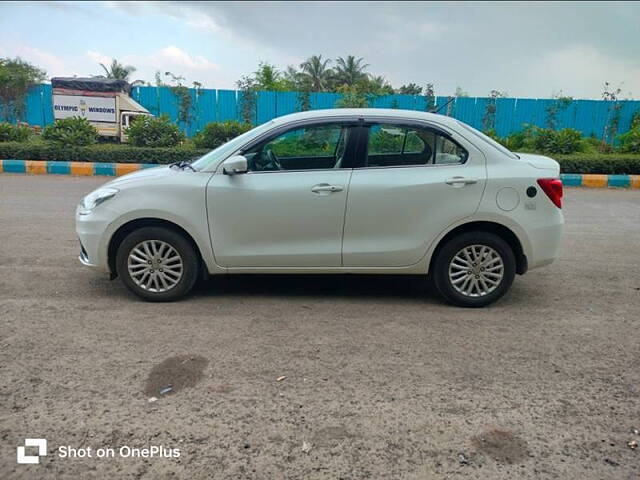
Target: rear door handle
[326, 188]
[460, 181]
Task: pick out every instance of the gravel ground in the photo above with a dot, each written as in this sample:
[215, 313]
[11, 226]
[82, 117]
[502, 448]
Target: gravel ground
[382, 379]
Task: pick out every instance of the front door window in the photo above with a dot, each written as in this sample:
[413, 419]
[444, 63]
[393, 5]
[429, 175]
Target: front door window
[307, 148]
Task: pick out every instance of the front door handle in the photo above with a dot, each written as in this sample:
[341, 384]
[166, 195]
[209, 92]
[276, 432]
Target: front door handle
[324, 188]
[460, 181]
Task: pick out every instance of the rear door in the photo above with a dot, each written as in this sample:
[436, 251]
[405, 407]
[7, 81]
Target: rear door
[416, 181]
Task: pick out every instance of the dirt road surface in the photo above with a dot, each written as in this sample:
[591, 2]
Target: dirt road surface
[383, 380]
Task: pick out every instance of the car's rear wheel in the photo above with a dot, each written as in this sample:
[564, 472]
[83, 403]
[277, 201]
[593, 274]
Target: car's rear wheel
[474, 269]
[157, 264]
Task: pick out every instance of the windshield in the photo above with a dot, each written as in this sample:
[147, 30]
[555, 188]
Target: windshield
[489, 140]
[227, 148]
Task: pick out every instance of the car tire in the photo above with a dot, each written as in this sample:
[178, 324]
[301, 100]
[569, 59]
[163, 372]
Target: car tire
[474, 269]
[157, 264]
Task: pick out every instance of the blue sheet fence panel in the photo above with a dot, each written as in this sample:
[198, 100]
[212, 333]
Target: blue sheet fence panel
[419, 103]
[566, 117]
[505, 112]
[524, 114]
[601, 116]
[584, 121]
[207, 102]
[448, 109]
[465, 109]
[149, 98]
[227, 106]
[382, 102]
[628, 109]
[406, 102]
[34, 112]
[47, 104]
[266, 107]
[479, 113]
[288, 102]
[324, 100]
[168, 103]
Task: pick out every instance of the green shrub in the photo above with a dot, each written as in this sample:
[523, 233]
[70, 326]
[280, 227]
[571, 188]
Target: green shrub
[614, 163]
[523, 140]
[563, 141]
[215, 134]
[147, 131]
[74, 131]
[630, 142]
[97, 153]
[13, 133]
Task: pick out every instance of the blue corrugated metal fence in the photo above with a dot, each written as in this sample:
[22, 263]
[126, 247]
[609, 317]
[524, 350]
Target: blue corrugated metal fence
[588, 116]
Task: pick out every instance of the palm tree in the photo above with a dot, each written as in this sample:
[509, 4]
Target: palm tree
[118, 71]
[350, 71]
[380, 86]
[292, 78]
[316, 72]
[410, 89]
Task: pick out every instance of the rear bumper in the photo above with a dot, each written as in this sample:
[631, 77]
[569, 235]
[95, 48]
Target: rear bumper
[545, 243]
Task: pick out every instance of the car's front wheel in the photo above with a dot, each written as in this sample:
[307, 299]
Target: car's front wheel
[474, 269]
[157, 264]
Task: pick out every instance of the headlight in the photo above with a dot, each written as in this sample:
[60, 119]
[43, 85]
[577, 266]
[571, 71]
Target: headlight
[94, 199]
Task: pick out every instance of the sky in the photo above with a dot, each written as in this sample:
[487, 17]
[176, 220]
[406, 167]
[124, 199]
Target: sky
[526, 49]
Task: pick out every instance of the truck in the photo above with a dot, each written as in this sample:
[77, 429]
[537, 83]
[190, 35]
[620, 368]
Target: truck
[105, 102]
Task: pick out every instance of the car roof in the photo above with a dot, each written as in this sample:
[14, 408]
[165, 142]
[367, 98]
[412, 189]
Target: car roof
[391, 113]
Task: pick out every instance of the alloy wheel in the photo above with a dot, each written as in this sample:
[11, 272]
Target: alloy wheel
[476, 270]
[155, 266]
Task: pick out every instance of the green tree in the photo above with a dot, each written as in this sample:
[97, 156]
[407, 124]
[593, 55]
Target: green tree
[248, 100]
[611, 128]
[352, 97]
[379, 85]
[185, 101]
[318, 74]
[268, 77]
[118, 71]
[16, 78]
[489, 119]
[460, 92]
[430, 98]
[293, 79]
[410, 89]
[351, 70]
[560, 104]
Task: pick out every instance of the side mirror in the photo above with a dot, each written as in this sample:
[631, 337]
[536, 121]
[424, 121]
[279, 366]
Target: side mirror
[235, 165]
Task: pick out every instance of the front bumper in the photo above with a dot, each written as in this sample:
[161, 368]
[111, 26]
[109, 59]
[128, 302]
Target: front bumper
[84, 258]
[90, 230]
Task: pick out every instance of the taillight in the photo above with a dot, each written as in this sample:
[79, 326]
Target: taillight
[553, 188]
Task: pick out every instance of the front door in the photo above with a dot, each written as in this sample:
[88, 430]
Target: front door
[288, 210]
[415, 183]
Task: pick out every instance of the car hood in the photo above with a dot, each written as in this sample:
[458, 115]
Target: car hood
[144, 175]
[540, 161]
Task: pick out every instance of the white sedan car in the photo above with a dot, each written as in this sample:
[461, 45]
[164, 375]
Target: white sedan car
[333, 191]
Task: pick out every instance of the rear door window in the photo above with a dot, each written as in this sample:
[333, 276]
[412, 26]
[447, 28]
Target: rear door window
[397, 145]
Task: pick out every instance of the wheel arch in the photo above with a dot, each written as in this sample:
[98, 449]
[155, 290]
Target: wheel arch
[125, 229]
[504, 232]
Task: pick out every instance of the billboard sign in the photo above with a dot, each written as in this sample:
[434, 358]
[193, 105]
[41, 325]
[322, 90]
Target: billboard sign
[94, 109]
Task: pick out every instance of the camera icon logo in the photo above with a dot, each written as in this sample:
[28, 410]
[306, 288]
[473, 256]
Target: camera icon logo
[41, 443]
